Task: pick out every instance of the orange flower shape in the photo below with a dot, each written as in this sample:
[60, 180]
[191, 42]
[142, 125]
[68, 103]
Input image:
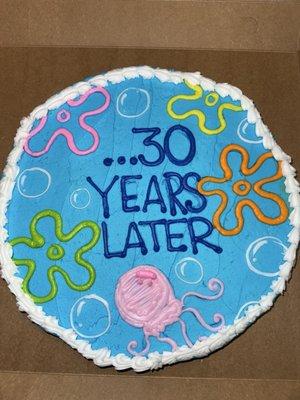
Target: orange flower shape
[242, 188]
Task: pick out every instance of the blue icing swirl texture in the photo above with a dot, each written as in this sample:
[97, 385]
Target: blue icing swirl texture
[134, 171]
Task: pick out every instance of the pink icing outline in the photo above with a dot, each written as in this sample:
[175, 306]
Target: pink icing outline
[217, 318]
[60, 118]
[214, 284]
[133, 344]
[66, 133]
[145, 299]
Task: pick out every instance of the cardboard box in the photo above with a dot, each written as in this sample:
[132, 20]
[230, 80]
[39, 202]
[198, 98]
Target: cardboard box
[48, 45]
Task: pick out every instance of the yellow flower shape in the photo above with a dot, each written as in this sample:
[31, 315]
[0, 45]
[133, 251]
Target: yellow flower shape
[211, 100]
[242, 188]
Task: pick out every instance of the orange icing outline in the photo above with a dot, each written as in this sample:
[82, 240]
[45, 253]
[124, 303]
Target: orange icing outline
[236, 187]
[257, 187]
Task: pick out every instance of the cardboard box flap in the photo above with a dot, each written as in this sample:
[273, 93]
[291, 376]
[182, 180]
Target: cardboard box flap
[49, 45]
[234, 25]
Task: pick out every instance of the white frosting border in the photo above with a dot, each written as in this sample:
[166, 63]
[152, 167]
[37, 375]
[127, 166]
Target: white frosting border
[154, 360]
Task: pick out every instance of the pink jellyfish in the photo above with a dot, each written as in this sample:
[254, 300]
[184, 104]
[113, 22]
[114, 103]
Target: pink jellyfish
[145, 299]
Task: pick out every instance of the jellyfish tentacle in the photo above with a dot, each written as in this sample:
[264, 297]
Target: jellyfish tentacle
[184, 333]
[201, 338]
[214, 285]
[133, 344]
[217, 318]
[168, 340]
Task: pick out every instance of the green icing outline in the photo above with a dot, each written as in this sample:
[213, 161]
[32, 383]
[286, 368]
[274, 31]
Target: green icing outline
[38, 241]
[55, 252]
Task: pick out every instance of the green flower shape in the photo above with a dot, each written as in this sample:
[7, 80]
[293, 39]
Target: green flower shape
[55, 252]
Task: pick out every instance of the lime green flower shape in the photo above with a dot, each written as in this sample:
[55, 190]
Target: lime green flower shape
[55, 252]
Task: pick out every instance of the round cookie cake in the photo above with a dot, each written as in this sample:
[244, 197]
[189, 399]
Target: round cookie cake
[147, 217]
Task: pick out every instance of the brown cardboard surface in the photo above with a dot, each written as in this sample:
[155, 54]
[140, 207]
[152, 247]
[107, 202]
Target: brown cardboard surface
[265, 359]
[68, 386]
[201, 24]
[263, 363]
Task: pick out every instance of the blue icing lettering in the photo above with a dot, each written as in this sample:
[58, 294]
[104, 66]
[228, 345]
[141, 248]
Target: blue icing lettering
[128, 197]
[166, 217]
[153, 183]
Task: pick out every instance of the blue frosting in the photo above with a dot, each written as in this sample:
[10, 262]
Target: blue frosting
[140, 185]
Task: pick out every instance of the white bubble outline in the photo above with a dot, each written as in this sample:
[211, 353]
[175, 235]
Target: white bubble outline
[35, 195]
[106, 305]
[182, 264]
[242, 128]
[102, 357]
[243, 308]
[135, 115]
[89, 200]
[250, 265]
